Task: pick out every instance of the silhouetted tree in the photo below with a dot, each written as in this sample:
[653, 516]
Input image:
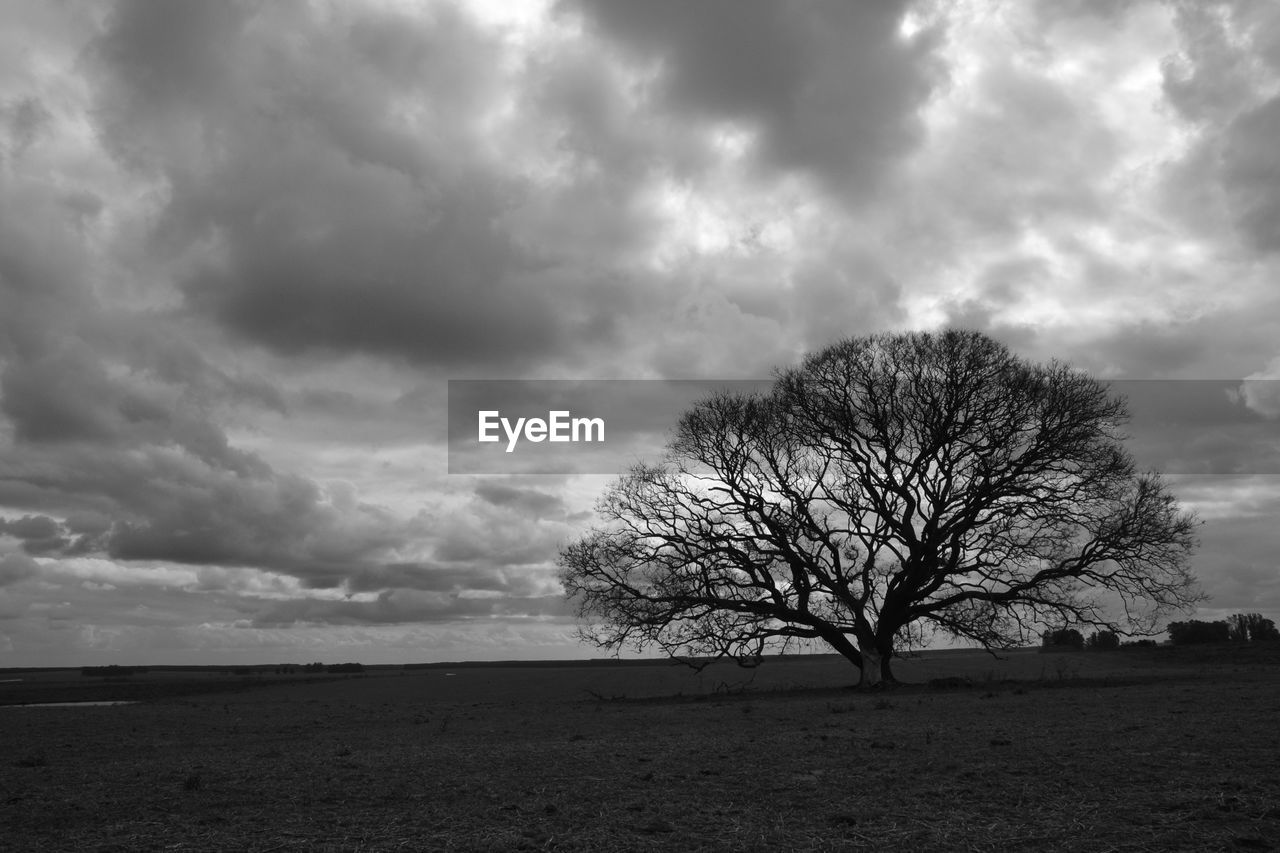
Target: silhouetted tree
[1251, 628]
[1196, 631]
[1104, 641]
[1063, 637]
[888, 487]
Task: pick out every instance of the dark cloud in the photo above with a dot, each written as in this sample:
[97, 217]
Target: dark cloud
[69, 396]
[837, 300]
[438, 578]
[142, 474]
[472, 547]
[1197, 427]
[40, 534]
[176, 54]
[529, 502]
[23, 123]
[31, 527]
[1143, 349]
[15, 568]
[276, 521]
[165, 355]
[341, 221]
[1251, 174]
[1237, 552]
[116, 406]
[404, 606]
[1215, 71]
[1223, 80]
[1110, 12]
[1207, 76]
[830, 86]
[42, 272]
[1210, 345]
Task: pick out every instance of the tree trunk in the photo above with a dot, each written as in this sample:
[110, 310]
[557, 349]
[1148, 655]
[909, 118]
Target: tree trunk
[883, 642]
[871, 668]
[842, 644]
[886, 671]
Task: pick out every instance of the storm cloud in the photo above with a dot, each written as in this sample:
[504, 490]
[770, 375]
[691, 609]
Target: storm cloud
[245, 245]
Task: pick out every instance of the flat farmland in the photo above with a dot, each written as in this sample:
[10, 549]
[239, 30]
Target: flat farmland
[1142, 750]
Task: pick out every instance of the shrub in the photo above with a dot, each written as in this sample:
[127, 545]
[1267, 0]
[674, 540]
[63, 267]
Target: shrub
[1196, 631]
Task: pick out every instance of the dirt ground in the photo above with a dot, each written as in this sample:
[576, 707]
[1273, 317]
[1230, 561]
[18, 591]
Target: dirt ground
[1099, 752]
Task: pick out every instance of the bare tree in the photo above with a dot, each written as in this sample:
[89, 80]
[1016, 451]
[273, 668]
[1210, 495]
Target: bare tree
[889, 487]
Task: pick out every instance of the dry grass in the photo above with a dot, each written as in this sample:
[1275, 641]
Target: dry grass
[1173, 756]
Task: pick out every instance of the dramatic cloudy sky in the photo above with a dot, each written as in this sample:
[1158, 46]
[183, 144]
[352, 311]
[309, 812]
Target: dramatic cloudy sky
[244, 246]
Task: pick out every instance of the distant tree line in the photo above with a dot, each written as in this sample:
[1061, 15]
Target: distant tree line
[1070, 638]
[341, 668]
[1239, 628]
[117, 671]
[111, 671]
[345, 667]
[290, 669]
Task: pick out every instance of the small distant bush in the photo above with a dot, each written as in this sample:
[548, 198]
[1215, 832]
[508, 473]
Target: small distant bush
[1062, 638]
[1104, 641]
[1140, 644]
[313, 667]
[1196, 632]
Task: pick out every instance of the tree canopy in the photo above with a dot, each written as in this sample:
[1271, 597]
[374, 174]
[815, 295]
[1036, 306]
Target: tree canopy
[888, 488]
